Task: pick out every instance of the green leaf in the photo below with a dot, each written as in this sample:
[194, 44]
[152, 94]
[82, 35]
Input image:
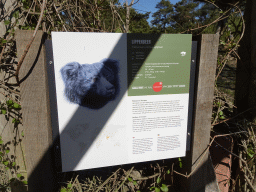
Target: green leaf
[180, 163]
[5, 163]
[130, 179]
[13, 163]
[3, 111]
[157, 189]
[134, 183]
[221, 113]
[13, 120]
[63, 190]
[6, 22]
[16, 14]
[221, 117]
[250, 152]
[164, 188]
[158, 180]
[22, 133]
[6, 168]
[1, 142]
[152, 188]
[4, 41]
[18, 175]
[7, 151]
[250, 155]
[25, 182]
[69, 185]
[9, 102]
[168, 172]
[16, 106]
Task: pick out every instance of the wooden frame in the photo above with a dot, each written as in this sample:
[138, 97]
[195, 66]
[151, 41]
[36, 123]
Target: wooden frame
[37, 117]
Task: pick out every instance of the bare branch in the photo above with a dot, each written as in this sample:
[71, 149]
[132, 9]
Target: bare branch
[31, 41]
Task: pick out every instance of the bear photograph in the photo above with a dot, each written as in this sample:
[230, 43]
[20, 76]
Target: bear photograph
[91, 85]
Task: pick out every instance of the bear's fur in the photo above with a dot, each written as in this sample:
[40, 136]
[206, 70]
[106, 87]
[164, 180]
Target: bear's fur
[91, 85]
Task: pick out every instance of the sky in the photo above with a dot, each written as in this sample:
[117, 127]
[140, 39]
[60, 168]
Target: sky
[144, 6]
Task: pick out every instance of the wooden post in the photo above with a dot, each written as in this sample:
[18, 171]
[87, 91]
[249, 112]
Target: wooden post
[203, 177]
[252, 91]
[36, 112]
[245, 93]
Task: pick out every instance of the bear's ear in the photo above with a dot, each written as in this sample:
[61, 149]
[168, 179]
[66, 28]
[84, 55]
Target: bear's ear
[111, 63]
[70, 71]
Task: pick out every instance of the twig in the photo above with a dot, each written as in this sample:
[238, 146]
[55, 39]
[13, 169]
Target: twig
[59, 16]
[78, 184]
[10, 11]
[105, 182]
[124, 180]
[10, 90]
[2, 52]
[111, 4]
[215, 21]
[241, 168]
[206, 150]
[149, 177]
[10, 98]
[249, 182]
[28, 46]
[233, 50]
[38, 13]
[217, 114]
[212, 3]
[231, 117]
[28, 12]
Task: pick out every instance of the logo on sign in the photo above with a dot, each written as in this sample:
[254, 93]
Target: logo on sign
[183, 53]
[157, 86]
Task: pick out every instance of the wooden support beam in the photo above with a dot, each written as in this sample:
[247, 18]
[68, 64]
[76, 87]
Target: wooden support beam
[203, 177]
[36, 112]
[245, 92]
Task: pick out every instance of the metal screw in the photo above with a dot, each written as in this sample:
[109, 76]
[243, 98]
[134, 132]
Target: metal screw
[193, 61]
[50, 62]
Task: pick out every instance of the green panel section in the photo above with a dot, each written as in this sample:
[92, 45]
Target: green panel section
[159, 58]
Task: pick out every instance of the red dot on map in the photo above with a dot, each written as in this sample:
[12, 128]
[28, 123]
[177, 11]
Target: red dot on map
[157, 86]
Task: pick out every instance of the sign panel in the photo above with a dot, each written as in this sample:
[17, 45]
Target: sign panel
[121, 98]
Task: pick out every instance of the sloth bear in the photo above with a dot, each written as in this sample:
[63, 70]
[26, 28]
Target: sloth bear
[91, 85]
